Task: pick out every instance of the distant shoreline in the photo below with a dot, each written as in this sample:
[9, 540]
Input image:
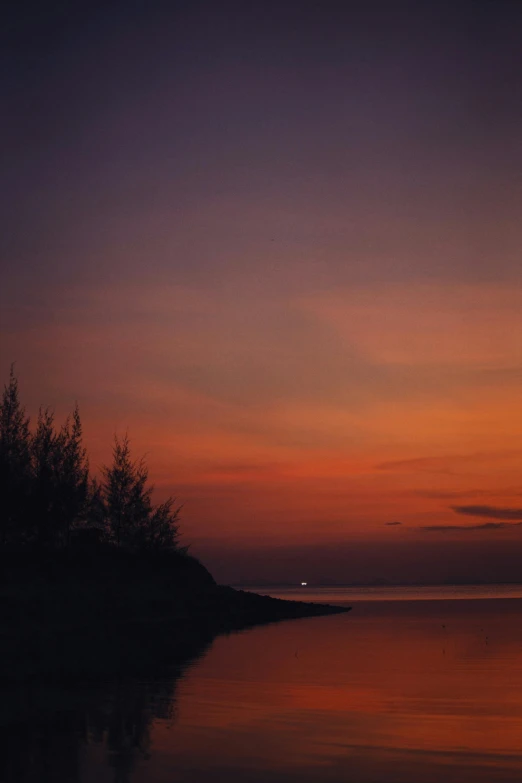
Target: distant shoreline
[327, 585]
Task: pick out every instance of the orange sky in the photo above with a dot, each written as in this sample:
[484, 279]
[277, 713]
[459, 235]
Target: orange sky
[285, 254]
[285, 419]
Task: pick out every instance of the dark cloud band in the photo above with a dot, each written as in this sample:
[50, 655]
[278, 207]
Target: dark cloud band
[491, 512]
[481, 526]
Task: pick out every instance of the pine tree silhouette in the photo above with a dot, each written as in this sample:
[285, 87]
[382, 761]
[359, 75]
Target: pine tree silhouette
[133, 522]
[14, 465]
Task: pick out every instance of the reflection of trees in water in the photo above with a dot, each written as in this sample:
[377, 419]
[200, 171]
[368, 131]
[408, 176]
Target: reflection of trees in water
[42, 745]
[123, 723]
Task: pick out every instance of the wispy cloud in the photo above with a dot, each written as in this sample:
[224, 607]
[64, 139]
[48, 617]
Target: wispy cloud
[491, 512]
[432, 494]
[481, 526]
[448, 463]
[428, 464]
[507, 518]
[392, 524]
[428, 324]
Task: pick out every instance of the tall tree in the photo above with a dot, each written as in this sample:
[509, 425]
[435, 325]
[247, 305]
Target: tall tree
[72, 468]
[127, 499]
[60, 479]
[133, 521]
[44, 480]
[14, 465]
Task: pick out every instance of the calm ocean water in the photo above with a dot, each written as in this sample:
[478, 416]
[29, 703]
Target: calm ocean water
[414, 684]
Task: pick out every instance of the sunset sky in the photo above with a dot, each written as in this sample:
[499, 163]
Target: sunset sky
[280, 243]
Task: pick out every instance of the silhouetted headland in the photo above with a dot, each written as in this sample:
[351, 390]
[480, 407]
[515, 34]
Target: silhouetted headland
[93, 578]
[66, 615]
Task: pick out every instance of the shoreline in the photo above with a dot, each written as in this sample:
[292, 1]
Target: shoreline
[66, 633]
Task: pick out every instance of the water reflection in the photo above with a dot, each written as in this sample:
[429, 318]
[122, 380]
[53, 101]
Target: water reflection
[85, 732]
[394, 692]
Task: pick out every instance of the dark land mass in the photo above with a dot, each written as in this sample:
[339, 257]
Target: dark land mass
[72, 616]
[92, 648]
[93, 580]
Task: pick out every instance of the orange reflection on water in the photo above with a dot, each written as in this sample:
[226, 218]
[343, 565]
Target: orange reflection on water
[395, 691]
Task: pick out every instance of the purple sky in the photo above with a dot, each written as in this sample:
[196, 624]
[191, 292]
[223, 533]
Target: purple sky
[280, 242]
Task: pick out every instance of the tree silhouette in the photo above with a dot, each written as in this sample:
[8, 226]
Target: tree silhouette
[59, 480]
[160, 533]
[95, 510]
[14, 465]
[133, 522]
[73, 477]
[46, 492]
[44, 487]
[127, 500]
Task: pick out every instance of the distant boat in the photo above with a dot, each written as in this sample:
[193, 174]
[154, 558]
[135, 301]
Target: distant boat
[303, 584]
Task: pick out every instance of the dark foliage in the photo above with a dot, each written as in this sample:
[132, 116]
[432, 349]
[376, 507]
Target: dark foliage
[133, 522]
[48, 500]
[15, 465]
